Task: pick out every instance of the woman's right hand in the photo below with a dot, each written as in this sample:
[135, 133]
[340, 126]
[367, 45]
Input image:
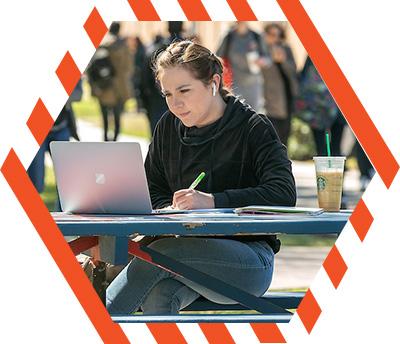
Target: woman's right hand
[278, 54]
[192, 199]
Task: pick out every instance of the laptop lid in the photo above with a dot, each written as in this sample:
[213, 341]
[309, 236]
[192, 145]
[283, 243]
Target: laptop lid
[101, 177]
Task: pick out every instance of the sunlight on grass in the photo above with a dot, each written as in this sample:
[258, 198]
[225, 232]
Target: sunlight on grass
[49, 195]
[132, 123]
[307, 240]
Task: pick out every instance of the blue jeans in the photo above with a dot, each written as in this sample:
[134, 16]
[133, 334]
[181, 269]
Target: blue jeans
[248, 266]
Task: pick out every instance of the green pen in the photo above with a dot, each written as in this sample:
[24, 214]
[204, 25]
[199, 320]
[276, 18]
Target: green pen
[197, 181]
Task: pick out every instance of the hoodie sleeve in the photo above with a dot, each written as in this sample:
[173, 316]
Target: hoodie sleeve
[160, 192]
[272, 168]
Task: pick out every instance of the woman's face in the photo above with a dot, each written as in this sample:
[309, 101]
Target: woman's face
[187, 97]
[273, 36]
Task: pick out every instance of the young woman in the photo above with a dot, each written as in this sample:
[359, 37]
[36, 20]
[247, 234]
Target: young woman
[206, 129]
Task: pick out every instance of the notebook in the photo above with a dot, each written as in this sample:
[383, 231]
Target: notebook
[278, 210]
[101, 178]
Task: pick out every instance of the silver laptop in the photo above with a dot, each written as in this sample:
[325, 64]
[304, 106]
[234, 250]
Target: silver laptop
[101, 177]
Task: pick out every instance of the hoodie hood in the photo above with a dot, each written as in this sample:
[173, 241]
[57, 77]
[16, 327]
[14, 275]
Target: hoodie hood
[235, 114]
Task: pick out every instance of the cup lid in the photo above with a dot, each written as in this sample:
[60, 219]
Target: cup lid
[329, 158]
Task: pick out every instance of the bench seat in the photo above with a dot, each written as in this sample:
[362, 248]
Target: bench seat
[203, 318]
[286, 300]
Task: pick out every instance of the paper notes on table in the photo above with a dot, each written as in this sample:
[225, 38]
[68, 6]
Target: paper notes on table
[277, 210]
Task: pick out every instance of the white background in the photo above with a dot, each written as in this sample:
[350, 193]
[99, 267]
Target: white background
[38, 305]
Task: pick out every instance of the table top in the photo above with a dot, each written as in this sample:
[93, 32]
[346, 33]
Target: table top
[200, 224]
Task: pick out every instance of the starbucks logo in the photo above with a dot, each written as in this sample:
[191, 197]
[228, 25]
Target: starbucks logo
[321, 183]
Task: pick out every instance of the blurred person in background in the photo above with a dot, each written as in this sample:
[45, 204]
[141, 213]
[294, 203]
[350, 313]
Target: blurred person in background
[280, 81]
[109, 75]
[244, 53]
[63, 129]
[153, 102]
[138, 53]
[315, 106]
[367, 171]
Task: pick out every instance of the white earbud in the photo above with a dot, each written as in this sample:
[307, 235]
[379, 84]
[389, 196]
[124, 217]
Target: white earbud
[214, 89]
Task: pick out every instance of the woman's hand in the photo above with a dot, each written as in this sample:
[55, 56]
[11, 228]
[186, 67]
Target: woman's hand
[278, 54]
[192, 199]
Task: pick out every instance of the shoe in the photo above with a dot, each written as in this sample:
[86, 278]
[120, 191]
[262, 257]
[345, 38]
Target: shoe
[88, 267]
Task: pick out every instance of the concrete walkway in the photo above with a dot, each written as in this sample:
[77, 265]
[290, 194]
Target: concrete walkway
[295, 266]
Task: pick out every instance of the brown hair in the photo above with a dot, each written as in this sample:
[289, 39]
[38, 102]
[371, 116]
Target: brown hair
[282, 34]
[195, 58]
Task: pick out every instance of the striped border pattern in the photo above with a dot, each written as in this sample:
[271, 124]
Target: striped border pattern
[40, 122]
[194, 10]
[68, 73]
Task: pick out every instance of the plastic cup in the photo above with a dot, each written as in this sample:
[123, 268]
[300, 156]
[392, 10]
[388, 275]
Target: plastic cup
[329, 173]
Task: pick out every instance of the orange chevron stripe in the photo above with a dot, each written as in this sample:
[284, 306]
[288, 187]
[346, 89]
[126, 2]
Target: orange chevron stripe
[144, 10]
[335, 266]
[365, 130]
[166, 333]
[241, 9]
[268, 333]
[309, 311]
[48, 231]
[68, 73]
[40, 122]
[95, 27]
[194, 10]
[361, 219]
[216, 333]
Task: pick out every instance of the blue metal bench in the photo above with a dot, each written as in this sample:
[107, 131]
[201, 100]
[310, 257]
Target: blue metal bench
[286, 300]
[112, 235]
[182, 318]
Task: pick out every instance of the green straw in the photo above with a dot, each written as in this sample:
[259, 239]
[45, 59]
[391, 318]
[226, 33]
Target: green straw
[328, 144]
[328, 147]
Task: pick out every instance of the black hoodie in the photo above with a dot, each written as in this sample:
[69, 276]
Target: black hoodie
[244, 161]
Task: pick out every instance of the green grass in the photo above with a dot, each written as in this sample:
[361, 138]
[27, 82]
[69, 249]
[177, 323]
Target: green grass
[307, 240]
[132, 122]
[49, 195]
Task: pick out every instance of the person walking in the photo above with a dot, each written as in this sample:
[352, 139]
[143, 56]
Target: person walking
[316, 107]
[63, 129]
[365, 167]
[110, 78]
[280, 81]
[244, 53]
[138, 54]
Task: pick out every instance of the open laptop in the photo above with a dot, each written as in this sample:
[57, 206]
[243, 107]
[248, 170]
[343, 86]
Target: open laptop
[101, 177]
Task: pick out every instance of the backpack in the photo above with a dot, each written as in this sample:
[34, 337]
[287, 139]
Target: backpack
[314, 104]
[101, 72]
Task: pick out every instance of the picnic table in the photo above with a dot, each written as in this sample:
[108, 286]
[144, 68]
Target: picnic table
[114, 235]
